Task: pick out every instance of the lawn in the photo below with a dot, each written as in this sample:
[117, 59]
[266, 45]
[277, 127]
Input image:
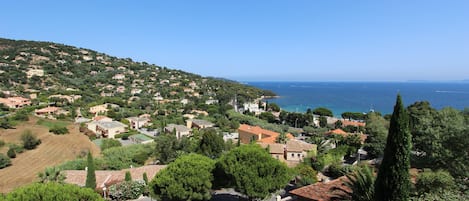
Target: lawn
[52, 123]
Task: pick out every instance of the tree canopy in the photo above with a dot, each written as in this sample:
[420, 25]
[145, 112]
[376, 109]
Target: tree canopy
[322, 111]
[393, 181]
[52, 192]
[252, 171]
[187, 178]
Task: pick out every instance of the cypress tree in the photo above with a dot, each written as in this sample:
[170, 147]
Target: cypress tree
[90, 174]
[393, 181]
[128, 177]
[145, 178]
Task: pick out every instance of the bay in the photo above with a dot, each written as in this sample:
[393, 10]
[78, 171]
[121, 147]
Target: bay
[364, 96]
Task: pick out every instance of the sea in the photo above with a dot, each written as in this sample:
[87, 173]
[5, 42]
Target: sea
[364, 96]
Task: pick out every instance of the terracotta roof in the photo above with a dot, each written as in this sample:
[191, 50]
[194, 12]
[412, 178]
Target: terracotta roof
[105, 177]
[274, 148]
[352, 123]
[338, 132]
[321, 191]
[47, 109]
[299, 146]
[267, 136]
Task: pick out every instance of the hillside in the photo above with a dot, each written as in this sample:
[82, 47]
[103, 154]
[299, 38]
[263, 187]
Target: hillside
[51, 68]
[53, 150]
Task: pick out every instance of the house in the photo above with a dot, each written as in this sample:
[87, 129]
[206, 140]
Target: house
[346, 123]
[252, 107]
[211, 101]
[137, 122]
[104, 127]
[102, 108]
[199, 124]
[70, 99]
[47, 111]
[118, 77]
[345, 134]
[276, 150]
[247, 133]
[140, 139]
[297, 150]
[179, 129]
[105, 178]
[15, 102]
[320, 191]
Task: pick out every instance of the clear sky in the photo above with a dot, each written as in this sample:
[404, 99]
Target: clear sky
[271, 40]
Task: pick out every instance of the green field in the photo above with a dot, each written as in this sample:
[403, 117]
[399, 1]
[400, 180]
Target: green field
[52, 123]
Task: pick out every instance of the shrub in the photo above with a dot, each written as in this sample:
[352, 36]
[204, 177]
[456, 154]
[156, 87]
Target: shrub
[108, 143]
[2, 143]
[59, 130]
[434, 181]
[4, 161]
[127, 190]
[52, 191]
[11, 153]
[29, 140]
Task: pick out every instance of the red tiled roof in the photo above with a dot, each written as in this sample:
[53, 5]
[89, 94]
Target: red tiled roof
[105, 177]
[338, 132]
[352, 123]
[321, 191]
[267, 136]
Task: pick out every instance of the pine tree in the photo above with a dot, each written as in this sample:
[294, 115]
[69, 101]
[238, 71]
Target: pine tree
[90, 174]
[393, 181]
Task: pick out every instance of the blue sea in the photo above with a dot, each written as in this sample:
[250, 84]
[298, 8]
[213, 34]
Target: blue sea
[364, 96]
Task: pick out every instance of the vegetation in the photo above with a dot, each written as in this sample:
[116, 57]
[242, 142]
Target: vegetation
[211, 144]
[109, 143]
[4, 161]
[377, 130]
[127, 190]
[51, 174]
[52, 191]
[321, 111]
[361, 184]
[90, 173]
[393, 181]
[29, 140]
[187, 178]
[59, 130]
[252, 171]
[434, 182]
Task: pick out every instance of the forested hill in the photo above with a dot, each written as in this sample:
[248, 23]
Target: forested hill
[56, 68]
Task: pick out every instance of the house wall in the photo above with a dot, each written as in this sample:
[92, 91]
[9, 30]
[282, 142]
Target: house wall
[278, 156]
[180, 134]
[294, 156]
[114, 131]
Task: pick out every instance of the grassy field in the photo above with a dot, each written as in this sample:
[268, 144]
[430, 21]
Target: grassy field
[53, 150]
[52, 123]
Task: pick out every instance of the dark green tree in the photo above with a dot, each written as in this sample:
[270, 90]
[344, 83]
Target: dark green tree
[90, 173]
[52, 191]
[29, 140]
[252, 171]
[322, 122]
[109, 142]
[211, 144]
[11, 152]
[322, 111]
[393, 181]
[187, 178]
[128, 176]
[4, 161]
[377, 130]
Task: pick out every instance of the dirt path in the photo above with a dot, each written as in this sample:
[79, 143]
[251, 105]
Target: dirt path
[53, 150]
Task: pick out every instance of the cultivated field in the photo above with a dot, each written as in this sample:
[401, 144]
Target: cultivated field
[53, 150]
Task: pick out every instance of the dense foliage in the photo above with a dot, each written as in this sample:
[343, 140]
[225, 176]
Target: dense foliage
[127, 190]
[4, 161]
[90, 172]
[29, 140]
[187, 178]
[393, 181]
[52, 192]
[252, 171]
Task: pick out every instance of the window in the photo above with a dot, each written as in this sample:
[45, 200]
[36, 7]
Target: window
[292, 155]
[299, 155]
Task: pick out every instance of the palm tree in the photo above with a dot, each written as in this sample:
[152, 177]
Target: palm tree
[51, 174]
[360, 184]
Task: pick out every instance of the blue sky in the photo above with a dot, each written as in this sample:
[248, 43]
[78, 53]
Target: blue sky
[267, 40]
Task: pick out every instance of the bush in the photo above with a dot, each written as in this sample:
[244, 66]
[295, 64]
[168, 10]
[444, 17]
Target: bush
[127, 190]
[108, 143]
[21, 115]
[59, 130]
[4, 161]
[2, 143]
[52, 191]
[11, 153]
[29, 140]
[434, 181]
[18, 149]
